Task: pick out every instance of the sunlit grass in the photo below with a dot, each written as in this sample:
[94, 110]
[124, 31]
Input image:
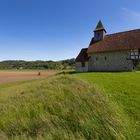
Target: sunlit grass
[121, 88]
[63, 107]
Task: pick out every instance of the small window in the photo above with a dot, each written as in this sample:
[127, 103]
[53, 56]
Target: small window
[105, 58]
[89, 58]
[134, 54]
[83, 64]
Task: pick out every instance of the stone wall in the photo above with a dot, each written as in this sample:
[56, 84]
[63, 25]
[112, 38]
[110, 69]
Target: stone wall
[110, 61]
[79, 67]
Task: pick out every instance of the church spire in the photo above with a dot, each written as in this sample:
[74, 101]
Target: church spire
[99, 27]
[99, 32]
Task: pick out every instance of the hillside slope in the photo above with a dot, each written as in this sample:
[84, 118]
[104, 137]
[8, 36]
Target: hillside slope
[62, 107]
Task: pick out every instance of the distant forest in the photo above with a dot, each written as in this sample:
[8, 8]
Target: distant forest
[42, 65]
[56, 65]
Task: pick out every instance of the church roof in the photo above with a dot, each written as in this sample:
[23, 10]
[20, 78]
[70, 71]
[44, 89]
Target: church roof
[99, 27]
[116, 42]
[83, 56]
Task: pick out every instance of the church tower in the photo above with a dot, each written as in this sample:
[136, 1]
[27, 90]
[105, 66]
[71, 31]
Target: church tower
[99, 32]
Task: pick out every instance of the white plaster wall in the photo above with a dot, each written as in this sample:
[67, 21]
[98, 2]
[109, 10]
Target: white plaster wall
[79, 67]
[116, 61]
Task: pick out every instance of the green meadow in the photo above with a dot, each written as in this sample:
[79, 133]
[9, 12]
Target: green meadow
[93, 106]
[123, 89]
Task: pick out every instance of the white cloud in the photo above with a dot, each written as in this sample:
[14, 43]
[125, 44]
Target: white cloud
[131, 14]
[131, 18]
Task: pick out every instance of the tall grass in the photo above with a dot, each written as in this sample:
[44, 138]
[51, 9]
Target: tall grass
[62, 107]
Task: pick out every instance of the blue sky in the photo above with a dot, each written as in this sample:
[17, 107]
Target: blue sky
[58, 29]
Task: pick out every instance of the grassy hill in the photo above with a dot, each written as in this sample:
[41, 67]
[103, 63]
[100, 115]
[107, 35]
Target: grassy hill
[100, 106]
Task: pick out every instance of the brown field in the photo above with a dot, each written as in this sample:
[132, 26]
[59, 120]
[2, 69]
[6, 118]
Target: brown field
[12, 76]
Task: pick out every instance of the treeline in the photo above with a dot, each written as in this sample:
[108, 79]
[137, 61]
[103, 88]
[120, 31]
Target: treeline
[19, 64]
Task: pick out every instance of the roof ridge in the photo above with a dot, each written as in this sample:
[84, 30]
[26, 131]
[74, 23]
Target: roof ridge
[122, 32]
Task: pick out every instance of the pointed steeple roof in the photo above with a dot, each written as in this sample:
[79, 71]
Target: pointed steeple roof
[99, 27]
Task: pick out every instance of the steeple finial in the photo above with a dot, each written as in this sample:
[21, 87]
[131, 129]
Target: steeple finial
[99, 27]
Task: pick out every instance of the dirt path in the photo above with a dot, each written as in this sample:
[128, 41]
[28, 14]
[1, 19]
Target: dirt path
[12, 76]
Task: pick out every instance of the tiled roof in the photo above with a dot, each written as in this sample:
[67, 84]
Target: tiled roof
[116, 42]
[83, 56]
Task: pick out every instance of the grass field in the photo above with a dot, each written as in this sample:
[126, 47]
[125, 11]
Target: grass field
[121, 88]
[101, 106]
